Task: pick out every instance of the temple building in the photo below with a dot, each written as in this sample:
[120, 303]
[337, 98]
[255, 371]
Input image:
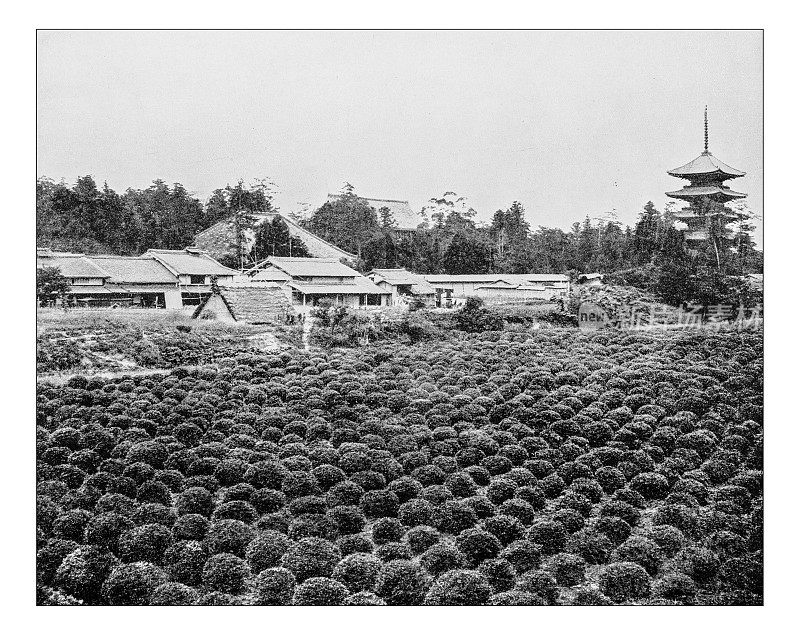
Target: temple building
[706, 195]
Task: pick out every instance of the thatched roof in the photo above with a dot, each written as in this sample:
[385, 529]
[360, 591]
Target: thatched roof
[262, 304]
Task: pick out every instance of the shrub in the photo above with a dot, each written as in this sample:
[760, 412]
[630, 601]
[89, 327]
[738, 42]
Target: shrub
[310, 558]
[386, 530]
[184, 562]
[421, 538]
[354, 543]
[698, 563]
[380, 504]
[190, 527]
[106, 529]
[393, 551]
[551, 536]
[675, 586]
[70, 525]
[459, 588]
[568, 569]
[358, 572]
[145, 544]
[670, 539]
[173, 594]
[50, 556]
[266, 550]
[539, 583]
[274, 587]
[650, 485]
[319, 591]
[516, 598]
[402, 583]
[586, 596]
[442, 557]
[616, 529]
[478, 545]
[522, 554]
[506, 529]
[498, 573]
[225, 572]
[623, 581]
[229, 536]
[132, 584]
[195, 500]
[642, 551]
[363, 598]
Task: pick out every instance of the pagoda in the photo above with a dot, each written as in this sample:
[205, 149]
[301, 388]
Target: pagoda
[706, 194]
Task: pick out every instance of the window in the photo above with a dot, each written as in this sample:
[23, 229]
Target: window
[197, 279]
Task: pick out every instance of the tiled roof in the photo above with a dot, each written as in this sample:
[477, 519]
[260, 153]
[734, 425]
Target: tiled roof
[189, 262]
[129, 269]
[271, 274]
[313, 267]
[419, 286]
[404, 216]
[358, 286]
[72, 265]
[688, 193]
[706, 163]
[512, 278]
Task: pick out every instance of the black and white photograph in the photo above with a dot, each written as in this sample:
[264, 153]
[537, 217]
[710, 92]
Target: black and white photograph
[398, 318]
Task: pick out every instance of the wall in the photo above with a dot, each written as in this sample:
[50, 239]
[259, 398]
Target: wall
[173, 299]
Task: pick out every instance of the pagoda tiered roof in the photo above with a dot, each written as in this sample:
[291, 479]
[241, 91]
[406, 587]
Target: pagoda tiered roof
[715, 192]
[706, 165]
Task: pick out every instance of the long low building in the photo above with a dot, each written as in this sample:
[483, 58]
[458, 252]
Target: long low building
[498, 287]
[160, 278]
[310, 281]
[107, 281]
[402, 284]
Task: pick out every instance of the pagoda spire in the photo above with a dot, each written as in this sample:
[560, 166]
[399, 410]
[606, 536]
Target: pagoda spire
[705, 117]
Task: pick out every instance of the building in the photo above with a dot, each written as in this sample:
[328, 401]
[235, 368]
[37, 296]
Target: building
[149, 283]
[706, 195]
[194, 270]
[498, 287]
[218, 239]
[315, 280]
[406, 220]
[109, 281]
[403, 285]
[263, 304]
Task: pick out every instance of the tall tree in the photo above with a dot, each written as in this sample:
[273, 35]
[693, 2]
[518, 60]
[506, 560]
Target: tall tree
[272, 238]
[347, 221]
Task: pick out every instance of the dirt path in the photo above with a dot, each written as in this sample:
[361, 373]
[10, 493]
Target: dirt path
[309, 321]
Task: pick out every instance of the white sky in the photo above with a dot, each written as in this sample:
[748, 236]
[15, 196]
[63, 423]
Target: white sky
[569, 123]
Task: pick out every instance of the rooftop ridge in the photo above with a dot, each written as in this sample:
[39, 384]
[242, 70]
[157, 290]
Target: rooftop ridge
[367, 198]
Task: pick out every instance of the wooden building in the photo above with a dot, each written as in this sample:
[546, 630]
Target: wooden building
[403, 285]
[194, 269]
[315, 280]
[498, 287]
[109, 281]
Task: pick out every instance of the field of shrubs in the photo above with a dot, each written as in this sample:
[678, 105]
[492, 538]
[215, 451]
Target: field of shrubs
[92, 341]
[498, 468]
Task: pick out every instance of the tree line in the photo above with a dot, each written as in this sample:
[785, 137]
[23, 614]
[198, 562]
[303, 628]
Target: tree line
[86, 218]
[450, 241]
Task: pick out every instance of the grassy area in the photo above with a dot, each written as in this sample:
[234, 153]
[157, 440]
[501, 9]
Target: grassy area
[90, 341]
